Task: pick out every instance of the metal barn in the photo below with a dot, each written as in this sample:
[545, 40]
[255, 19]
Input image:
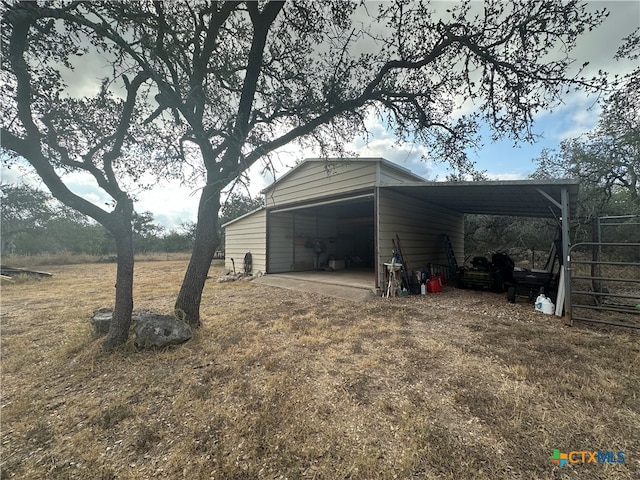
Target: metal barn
[350, 214]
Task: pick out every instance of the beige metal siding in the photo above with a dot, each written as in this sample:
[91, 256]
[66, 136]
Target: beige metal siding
[318, 179]
[420, 227]
[247, 235]
[279, 239]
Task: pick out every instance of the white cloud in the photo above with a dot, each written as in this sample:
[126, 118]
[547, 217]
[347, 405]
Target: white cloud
[170, 202]
[505, 175]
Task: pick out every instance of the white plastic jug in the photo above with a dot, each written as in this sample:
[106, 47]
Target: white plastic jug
[548, 308]
[544, 305]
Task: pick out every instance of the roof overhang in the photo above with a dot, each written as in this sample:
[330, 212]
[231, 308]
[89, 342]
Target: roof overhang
[517, 198]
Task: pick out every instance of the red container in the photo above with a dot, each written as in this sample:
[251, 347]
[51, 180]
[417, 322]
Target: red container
[433, 285]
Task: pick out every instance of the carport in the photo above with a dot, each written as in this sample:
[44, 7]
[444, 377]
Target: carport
[517, 198]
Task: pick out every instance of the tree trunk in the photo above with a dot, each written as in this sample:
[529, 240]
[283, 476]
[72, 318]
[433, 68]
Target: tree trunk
[187, 305]
[121, 320]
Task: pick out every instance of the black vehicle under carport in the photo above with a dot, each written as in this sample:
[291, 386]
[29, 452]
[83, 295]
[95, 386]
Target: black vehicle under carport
[500, 275]
[495, 274]
[530, 283]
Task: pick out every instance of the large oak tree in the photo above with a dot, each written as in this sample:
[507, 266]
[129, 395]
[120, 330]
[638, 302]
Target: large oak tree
[58, 134]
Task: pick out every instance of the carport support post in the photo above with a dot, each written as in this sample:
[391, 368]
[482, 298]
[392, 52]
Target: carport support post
[566, 264]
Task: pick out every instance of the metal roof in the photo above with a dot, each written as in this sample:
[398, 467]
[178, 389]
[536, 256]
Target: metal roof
[518, 198]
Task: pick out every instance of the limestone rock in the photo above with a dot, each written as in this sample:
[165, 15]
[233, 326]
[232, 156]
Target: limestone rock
[160, 331]
[227, 278]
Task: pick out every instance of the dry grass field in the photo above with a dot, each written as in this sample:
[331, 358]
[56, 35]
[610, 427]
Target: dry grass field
[277, 384]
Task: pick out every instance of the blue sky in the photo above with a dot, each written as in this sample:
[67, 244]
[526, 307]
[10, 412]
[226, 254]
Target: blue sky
[172, 203]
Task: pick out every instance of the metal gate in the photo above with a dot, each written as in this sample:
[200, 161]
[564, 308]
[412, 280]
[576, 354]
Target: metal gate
[604, 283]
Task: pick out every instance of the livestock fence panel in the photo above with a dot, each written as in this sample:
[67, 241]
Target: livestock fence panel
[604, 283]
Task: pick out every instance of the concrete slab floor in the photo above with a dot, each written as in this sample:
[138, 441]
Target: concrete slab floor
[350, 284]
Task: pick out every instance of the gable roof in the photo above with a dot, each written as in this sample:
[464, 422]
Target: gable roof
[345, 161]
[525, 198]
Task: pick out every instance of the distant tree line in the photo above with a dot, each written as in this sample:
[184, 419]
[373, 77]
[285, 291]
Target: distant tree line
[530, 239]
[33, 223]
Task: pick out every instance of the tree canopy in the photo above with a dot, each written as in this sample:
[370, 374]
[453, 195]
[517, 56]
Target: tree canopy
[23, 209]
[244, 79]
[35, 223]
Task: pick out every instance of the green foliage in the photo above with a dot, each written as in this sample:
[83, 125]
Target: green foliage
[607, 162]
[524, 239]
[24, 209]
[175, 241]
[34, 222]
[65, 235]
[147, 236]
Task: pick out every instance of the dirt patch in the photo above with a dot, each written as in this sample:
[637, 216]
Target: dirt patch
[276, 385]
